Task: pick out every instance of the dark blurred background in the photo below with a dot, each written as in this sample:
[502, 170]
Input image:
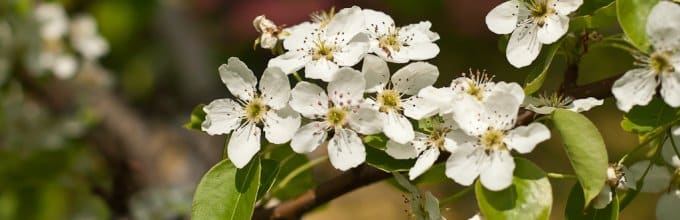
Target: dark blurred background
[163, 60]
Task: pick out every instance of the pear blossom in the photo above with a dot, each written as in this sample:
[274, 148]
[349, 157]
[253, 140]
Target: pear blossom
[486, 118]
[52, 20]
[242, 118]
[425, 146]
[342, 112]
[661, 67]
[615, 179]
[532, 24]
[400, 44]
[86, 39]
[270, 32]
[546, 105]
[53, 24]
[323, 48]
[393, 95]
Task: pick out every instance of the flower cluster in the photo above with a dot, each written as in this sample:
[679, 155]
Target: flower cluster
[473, 119]
[57, 52]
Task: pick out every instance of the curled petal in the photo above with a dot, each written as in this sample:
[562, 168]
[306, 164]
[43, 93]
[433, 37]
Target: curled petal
[238, 78]
[424, 162]
[581, 105]
[524, 139]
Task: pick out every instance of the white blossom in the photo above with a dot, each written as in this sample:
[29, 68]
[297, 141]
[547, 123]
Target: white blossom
[425, 146]
[86, 39]
[532, 24]
[546, 105]
[615, 179]
[341, 112]
[661, 67]
[266, 107]
[393, 96]
[323, 48]
[270, 32]
[400, 44]
[52, 20]
[486, 118]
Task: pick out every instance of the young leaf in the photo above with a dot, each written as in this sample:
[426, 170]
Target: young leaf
[632, 16]
[585, 148]
[427, 209]
[378, 141]
[529, 196]
[537, 74]
[270, 168]
[575, 207]
[381, 160]
[289, 161]
[433, 175]
[226, 192]
[197, 117]
[643, 119]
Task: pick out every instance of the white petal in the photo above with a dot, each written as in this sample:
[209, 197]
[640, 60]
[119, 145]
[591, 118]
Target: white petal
[669, 154]
[670, 88]
[309, 100]
[464, 164]
[469, 115]
[365, 121]
[351, 54]
[554, 28]
[275, 88]
[544, 110]
[421, 51]
[523, 139]
[222, 116]
[347, 88]
[667, 207]
[281, 125]
[377, 22]
[458, 138]
[663, 26]
[502, 105]
[345, 24]
[397, 127]
[523, 47]
[309, 137]
[64, 66]
[603, 198]
[636, 87]
[418, 33]
[345, 150]
[321, 69]
[239, 79]
[243, 144]
[409, 150]
[657, 179]
[564, 7]
[676, 131]
[299, 35]
[376, 73]
[423, 163]
[429, 101]
[503, 18]
[290, 61]
[413, 77]
[497, 175]
[581, 105]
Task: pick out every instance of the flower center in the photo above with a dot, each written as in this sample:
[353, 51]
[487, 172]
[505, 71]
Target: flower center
[660, 62]
[255, 110]
[323, 50]
[438, 136]
[389, 100]
[555, 100]
[390, 41]
[493, 140]
[323, 17]
[475, 91]
[336, 116]
[540, 11]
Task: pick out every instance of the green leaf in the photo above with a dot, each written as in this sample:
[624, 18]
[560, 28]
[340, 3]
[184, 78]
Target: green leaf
[289, 161]
[529, 196]
[378, 141]
[590, 6]
[643, 119]
[585, 148]
[537, 74]
[432, 207]
[226, 192]
[197, 117]
[427, 209]
[433, 175]
[575, 207]
[381, 160]
[270, 168]
[600, 18]
[632, 16]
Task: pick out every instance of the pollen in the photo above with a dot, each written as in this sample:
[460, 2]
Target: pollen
[256, 110]
[492, 140]
[660, 62]
[389, 100]
[336, 116]
[390, 41]
[438, 137]
[323, 50]
[540, 11]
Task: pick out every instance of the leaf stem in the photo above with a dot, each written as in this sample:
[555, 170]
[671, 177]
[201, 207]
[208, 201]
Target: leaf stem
[455, 196]
[561, 176]
[297, 76]
[297, 171]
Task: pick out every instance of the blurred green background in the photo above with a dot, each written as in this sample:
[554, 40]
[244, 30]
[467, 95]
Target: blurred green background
[163, 60]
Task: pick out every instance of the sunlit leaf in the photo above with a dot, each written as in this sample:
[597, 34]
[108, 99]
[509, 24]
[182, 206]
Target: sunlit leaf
[197, 117]
[576, 203]
[643, 119]
[632, 16]
[270, 168]
[381, 160]
[540, 68]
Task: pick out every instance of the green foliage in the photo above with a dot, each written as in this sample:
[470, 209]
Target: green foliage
[427, 209]
[381, 160]
[270, 169]
[529, 196]
[643, 119]
[197, 117]
[226, 192]
[632, 16]
[288, 162]
[541, 65]
[576, 203]
[433, 175]
[585, 148]
[602, 17]
[378, 141]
